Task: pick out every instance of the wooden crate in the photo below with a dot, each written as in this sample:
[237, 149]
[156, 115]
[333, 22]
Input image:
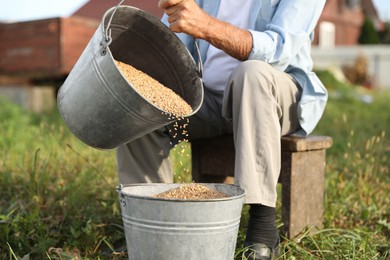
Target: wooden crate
[44, 48]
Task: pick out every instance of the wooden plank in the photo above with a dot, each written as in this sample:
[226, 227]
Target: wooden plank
[303, 187]
[307, 143]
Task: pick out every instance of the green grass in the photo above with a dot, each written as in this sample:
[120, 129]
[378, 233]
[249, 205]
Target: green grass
[58, 197]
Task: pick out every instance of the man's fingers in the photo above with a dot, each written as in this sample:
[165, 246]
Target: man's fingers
[171, 19]
[164, 4]
[171, 10]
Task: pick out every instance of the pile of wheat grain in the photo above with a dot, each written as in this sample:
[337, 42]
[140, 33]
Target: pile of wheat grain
[153, 91]
[192, 191]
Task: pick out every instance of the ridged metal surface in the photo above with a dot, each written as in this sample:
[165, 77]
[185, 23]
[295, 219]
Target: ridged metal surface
[98, 104]
[180, 229]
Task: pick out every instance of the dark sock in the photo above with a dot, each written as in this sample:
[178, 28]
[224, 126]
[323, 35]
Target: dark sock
[262, 227]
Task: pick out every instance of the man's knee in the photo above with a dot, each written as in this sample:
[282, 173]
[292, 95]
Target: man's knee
[252, 67]
[257, 72]
[259, 75]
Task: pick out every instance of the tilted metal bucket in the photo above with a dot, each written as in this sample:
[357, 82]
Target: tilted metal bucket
[99, 105]
[172, 229]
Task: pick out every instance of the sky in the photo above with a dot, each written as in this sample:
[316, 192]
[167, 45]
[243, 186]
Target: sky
[24, 10]
[383, 8]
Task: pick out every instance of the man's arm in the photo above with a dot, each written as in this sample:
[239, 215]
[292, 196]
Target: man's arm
[185, 16]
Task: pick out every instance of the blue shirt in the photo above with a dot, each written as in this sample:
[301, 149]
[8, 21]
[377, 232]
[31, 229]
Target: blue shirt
[282, 32]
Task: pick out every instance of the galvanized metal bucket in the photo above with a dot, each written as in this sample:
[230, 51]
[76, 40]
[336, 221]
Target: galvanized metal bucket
[180, 229]
[99, 105]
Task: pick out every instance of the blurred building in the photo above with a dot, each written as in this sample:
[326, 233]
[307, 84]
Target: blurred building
[49, 48]
[36, 56]
[95, 9]
[341, 21]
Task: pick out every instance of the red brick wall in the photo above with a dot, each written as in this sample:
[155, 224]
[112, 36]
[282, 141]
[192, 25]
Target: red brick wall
[44, 48]
[30, 46]
[346, 21]
[75, 35]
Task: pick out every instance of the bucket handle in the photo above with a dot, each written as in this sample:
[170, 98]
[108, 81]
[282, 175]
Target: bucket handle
[200, 63]
[122, 197]
[108, 39]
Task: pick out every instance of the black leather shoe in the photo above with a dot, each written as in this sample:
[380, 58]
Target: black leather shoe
[260, 251]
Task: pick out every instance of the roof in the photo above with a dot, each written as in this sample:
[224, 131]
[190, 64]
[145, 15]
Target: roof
[370, 10]
[95, 9]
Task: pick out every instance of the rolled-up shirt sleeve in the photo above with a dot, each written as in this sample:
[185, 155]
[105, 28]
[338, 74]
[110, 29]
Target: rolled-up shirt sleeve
[289, 29]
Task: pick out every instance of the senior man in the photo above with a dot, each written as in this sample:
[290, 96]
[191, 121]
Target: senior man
[259, 86]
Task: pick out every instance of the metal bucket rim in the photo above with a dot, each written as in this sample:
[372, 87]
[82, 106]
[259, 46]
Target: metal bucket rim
[150, 197]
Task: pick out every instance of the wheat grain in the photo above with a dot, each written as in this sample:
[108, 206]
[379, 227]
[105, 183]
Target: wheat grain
[159, 95]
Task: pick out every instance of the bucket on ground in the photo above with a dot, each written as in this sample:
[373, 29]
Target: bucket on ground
[172, 229]
[97, 103]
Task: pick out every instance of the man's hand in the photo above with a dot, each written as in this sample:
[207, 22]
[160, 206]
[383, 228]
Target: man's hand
[164, 4]
[185, 16]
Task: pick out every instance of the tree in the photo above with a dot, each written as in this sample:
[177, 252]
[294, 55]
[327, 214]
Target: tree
[385, 35]
[368, 33]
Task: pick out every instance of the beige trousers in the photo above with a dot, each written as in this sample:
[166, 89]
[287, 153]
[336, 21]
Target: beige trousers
[259, 106]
